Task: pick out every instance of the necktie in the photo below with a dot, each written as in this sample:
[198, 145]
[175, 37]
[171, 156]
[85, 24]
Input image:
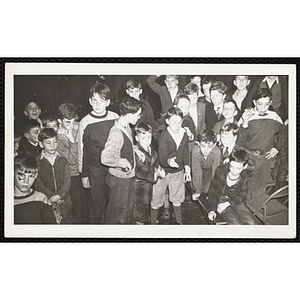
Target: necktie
[226, 153]
[218, 113]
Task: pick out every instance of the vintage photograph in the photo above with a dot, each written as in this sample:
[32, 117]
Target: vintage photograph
[134, 150]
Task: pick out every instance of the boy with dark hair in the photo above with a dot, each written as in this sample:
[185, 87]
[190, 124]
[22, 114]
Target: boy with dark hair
[196, 79]
[32, 111]
[173, 155]
[228, 138]
[228, 191]
[30, 206]
[50, 121]
[206, 84]
[206, 158]
[118, 155]
[54, 178]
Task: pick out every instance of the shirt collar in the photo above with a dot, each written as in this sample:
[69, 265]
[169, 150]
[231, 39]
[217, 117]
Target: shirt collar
[43, 155]
[268, 80]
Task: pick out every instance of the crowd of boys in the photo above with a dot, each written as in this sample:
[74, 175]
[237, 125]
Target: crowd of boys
[122, 168]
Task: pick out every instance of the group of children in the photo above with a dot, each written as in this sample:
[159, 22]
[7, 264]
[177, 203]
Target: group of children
[122, 168]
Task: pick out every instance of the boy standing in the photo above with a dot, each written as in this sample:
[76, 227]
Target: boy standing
[228, 191]
[33, 112]
[118, 155]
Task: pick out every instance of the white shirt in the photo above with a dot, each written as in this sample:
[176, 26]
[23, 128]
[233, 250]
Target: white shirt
[173, 94]
[177, 137]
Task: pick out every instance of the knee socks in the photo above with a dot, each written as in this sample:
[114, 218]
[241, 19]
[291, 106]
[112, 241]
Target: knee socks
[177, 212]
[153, 215]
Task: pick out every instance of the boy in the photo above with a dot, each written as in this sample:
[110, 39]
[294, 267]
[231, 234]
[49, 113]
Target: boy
[50, 121]
[196, 79]
[206, 84]
[30, 206]
[213, 110]
[228, 191]
[30, 143]
[205, 160]
[134, 89]
[173, 155]
[54, 178]
[118, 155]
[262, 135]
[228, 138]
[33, 112]
[146, 172]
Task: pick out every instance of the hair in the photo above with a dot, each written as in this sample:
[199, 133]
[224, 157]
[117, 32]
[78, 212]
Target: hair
[207, 80]
[180, 96]
[240, 156]
[246, 76]
[48, 118]
[133, 84]
[174, 111]
[31, 101]
[191, 88]
[193, 76]
[218, 86]
[263, 93]
[101, 89]
[230, 127]
[17, 134]
[67, 111]
[47, 133]
[231, 101]
[29, 124]
[25, 163]
[207, 136]
[129, 105]
[142, 128]
[172, 76]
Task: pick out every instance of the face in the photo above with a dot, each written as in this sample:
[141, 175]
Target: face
[262, 105]
[33, 135]
[227, 138]
[241, 82]
[236, 168]
[135, 93]
[206, 148]
[144, 139]
[193, 98]
[133, 118]
[184, 106]
[174, 123]
[217, 97]
[229, 110]
[53, 125]
[206, 92]
[99, 104]
[32, 111]
[171, 83]
[49, 145]
[23, 181]
[271, 77]
[196, 80]
[16, 144]
[67, 124]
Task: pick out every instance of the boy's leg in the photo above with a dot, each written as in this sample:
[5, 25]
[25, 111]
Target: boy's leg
[231, 216]
[76, 192]
[245, 215]
[142, 200]
[66, 210]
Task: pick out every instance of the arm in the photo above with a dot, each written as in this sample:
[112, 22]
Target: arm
[155, 87]
[196, 170]
[241, 195]
[145, 171]
[216, 160]
[214, 192]
[40, 187]
[80, 146]
[64, 189]
[165, 150]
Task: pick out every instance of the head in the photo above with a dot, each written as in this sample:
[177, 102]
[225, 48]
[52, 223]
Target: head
[17, 139]
[262, 100]
[48, 140]
[171, 81]
[99, 98]
[134, 88]
[25, 173]
[207, 141]
[192, 91]
[67, 116]
[230, 109]
[217, 92]
[241, 82]
[238, 161]
[50, 121]
[143, 135]
[229, 134]
[31, 130]
[206, 84]
[32, 110]
[174, 119]
[182, 101]
[272, 77]
[131, 108]
[196, 79]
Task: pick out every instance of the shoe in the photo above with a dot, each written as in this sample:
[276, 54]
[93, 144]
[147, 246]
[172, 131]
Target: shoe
[166, 214]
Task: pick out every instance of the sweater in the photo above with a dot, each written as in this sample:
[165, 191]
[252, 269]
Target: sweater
[211, 116]
[27, 148]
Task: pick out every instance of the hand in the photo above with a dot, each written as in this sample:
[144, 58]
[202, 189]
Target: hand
[195, 196]
[248, 112]
[272, 153]
[160, 172]
[69, 136]
[187, 174]
[141, 156]
[286, 122]
[172, 163]
[212, 215]
[189, 133]
[85, 181]
[222, 207]
[226, 160]
[56, 199]
[127, 167]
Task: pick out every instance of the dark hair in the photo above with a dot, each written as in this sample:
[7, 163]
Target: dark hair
[29, 124]
[240, 156]
[25, 163]
[191, 88]
[230, 127]
[207, 136]
[218, 86]
[207, 80]
[68, 111]
[231, 101]
[47, 133]
[174, 111]
[143, 128]
[247, 77]
[129, 105]
[263, 93]
[101, 89]
[48, 118]
[132, 84]
[31, 101]
[180, 96]
[172, 76]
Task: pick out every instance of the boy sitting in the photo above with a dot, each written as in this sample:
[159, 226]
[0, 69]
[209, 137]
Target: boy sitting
[54, 178]
[30, 206]
[33, 112]
[228, 191]
[206, 158]
[228, 138]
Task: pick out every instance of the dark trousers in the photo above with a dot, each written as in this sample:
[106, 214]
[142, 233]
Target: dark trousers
[77, 196]
[121, 197]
